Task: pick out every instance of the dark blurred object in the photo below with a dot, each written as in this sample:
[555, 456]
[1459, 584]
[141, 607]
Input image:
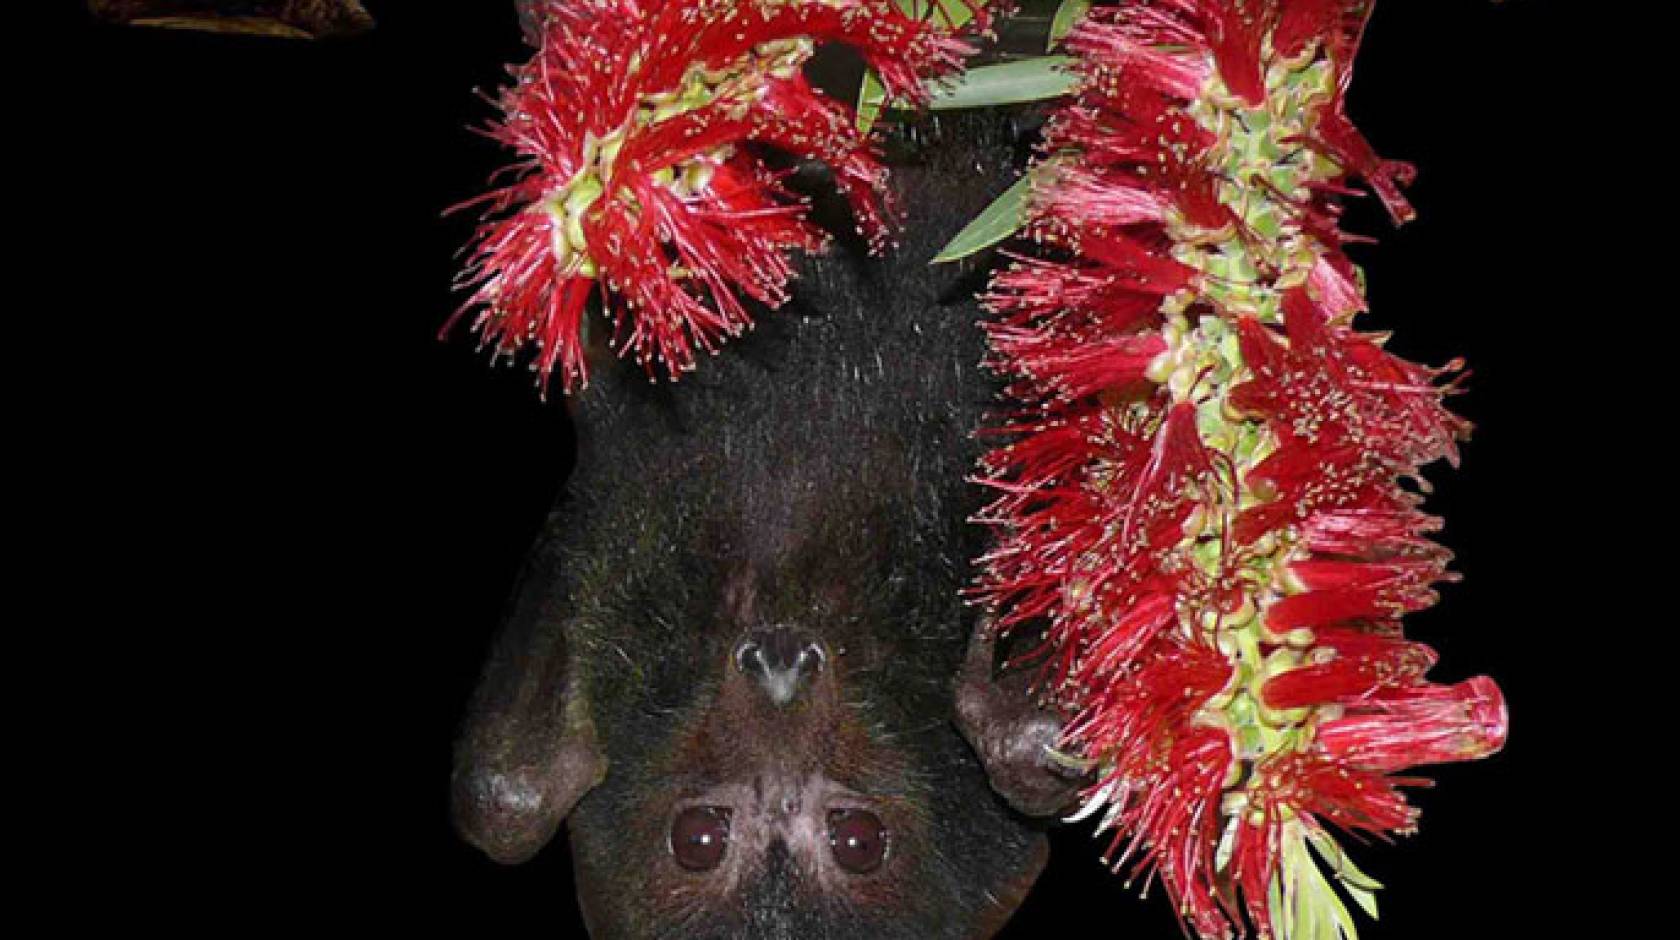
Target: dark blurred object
[297, 19]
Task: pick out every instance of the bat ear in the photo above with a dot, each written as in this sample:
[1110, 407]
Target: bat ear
[1011, 734]
[529, 750]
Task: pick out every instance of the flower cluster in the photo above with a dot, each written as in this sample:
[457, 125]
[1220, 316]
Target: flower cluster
[1200, 482]
[634, 121]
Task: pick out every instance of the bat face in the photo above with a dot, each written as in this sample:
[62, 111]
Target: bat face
[735, 665]
[808, 780]
[783, 762]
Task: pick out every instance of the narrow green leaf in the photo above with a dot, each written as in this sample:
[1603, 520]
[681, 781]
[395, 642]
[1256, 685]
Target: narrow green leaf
[954, 13]
[1282, 926]
[1066, 15]
[1003, 218]
[986, 86]
[872, 96]
[1340, 865]
[1359, 886]
[1317, 914]
[1007, 83]
[1366, 900]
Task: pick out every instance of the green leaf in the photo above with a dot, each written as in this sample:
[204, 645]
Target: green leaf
[1366, 900]
[1003, 218]
[1314, 912]
[1007, 83]
[1066, 16]
[955, 13]
[872, 96]
[1340, 865]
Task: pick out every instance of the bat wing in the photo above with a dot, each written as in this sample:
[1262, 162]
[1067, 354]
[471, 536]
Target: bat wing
[294, 19]
[528, 750]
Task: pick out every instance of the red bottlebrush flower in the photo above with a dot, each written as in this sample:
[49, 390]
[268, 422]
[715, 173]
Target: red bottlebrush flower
[1352, 798]
[1078, 370]
[1420, 724]
[1080, 196]
[1348, 667]
[1110, 298]
[1081, 551]
[634, 122]
[1337, 591]
[1342, 142]
[1160, 799]
[1355, 531]
[1199, 489]
[1135, 44]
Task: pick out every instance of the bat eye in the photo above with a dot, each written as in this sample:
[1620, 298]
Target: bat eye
[858, 839]
[699, 836]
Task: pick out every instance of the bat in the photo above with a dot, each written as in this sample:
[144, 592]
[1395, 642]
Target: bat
[738, 667]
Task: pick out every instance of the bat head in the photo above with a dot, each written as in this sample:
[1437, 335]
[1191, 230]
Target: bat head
[803, 779]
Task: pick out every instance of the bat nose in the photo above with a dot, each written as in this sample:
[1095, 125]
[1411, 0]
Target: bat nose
[782, 660]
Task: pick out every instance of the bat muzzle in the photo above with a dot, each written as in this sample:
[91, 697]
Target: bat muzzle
[782, 660]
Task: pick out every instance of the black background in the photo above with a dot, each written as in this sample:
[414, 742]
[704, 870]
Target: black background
[299, 512]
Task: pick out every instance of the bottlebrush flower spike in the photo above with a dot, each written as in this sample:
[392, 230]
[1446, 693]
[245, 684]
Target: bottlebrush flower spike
[1200, 494]
[633, 122]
